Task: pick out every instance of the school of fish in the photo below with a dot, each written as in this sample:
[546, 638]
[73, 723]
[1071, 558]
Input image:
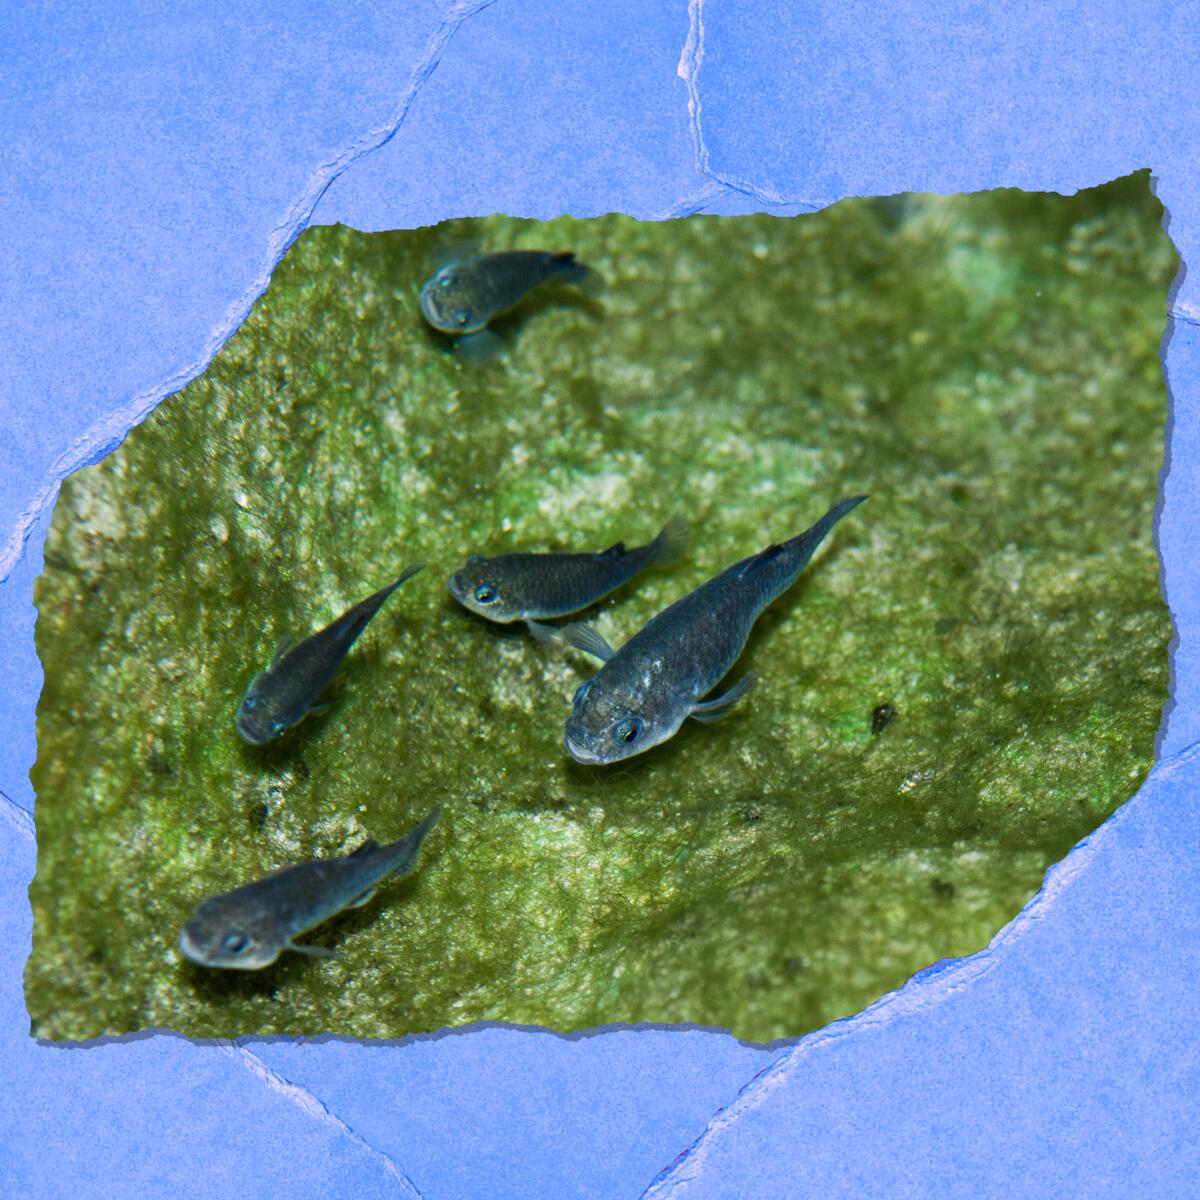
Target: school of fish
[639, 697]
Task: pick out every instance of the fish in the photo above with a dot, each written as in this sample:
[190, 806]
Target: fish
[277, 698]
[647, 689]
[532, 587]
[464, 296]
[249, 927]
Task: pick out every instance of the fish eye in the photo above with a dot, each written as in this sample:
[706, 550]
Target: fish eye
[235, 943]
[462, 316]
[581, 691]
[443, 280]
[485, 594]
[627, 731]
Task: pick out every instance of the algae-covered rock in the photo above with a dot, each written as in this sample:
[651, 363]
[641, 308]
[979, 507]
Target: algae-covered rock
[985, 367]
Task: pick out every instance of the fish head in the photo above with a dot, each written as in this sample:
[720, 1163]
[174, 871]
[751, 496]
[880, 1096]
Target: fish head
[611, 723]
[447, 302]
[257, 720]
[480, 585]
[226, 932]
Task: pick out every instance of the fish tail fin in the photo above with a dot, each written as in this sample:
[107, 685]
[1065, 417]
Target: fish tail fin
[807, 542]
[429, 821]
[352, 623]
[403, 577]
[372, 604]
[802, 547]
[672, 542]
[569, 269]
[409, 846]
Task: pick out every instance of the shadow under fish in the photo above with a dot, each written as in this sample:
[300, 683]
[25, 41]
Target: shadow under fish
[249, 927]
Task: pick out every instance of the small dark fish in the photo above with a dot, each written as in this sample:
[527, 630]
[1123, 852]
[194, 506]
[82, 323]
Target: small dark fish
[647, 689]
[530, 587]
[462, 297]
[287, 690]
[251, 926]
[881, 717]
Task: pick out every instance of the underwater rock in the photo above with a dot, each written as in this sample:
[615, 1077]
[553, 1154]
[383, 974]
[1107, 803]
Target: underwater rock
[991, 377]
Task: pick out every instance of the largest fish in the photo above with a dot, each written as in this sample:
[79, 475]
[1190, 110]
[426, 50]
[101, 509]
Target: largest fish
[647, 689]
[250, 927]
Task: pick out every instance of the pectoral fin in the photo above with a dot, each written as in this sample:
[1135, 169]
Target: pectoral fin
[585, 638]
[284, 645]
[361, 900]
[456, 250]
[480, 348]
[544, 633]
[311, 951]
[709, 711]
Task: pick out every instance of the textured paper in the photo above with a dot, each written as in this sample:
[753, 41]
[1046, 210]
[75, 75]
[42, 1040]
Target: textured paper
[159, 160]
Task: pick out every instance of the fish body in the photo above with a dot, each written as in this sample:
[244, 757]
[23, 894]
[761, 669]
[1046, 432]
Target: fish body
[249, 927]
[288, 689]
[533, 587]
[646, 690]
[462, 297]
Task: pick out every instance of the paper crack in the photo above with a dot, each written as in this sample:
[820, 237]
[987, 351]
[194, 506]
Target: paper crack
[315, 1108]
[691, 59]
[16, 817]
[106, 435]
[925, 989]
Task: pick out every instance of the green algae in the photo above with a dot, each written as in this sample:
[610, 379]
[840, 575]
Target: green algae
[986, 367]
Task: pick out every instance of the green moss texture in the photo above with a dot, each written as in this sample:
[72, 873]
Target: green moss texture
[986, 367]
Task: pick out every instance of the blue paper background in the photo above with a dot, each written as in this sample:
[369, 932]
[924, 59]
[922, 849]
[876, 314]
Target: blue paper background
[160, 158]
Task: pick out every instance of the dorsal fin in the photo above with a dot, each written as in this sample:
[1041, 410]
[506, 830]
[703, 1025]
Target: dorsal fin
[759, 560]
[568, 269]
[614, 550]
[284, 644]
[366, 848]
